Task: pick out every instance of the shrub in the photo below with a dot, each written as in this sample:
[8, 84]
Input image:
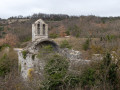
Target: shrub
[4, 33]
[4, 65]
[53, 35]
[72, 80]
[110, 37]
[8, 63]
[97, 49]
[77, 35]
[65, 44]
[56, 76]
[27, 39]
[1, 28]
[86, 45]
[56, 67]
[48, 48]
[67, 32]
[88, 77]
[55, 70]
[3, 46]
[110, 70]
[101, 75]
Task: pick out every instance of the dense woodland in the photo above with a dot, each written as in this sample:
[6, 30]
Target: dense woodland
[88, 34]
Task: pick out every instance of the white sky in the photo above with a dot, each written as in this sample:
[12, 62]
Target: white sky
[10, 8]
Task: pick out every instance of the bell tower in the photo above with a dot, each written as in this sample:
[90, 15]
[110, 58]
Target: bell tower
[39, 30]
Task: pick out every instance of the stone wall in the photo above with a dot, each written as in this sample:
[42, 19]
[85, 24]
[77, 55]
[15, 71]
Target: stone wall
[31, 62]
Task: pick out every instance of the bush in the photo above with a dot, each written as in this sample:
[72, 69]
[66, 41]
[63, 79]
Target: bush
[67, 32]
[72, 80]
[86, 45]
[55, 69]
[101, 75]
[88, 77]
[110, 69]
[3, 46]
[53, 35]
[27, 39]
[77, 35]
[56, 76]
[8, 62]
[97, 49]
[65, 44]
[1, 28]
[110, 37]
[4, 65]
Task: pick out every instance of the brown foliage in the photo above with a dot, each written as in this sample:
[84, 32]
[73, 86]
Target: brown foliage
[9, 39]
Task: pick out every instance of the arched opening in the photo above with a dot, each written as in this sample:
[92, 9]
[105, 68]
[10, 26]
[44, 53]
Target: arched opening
[43, 29]
[38, 28]
[46, 43]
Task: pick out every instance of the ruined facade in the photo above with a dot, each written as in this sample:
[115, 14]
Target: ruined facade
[27, 56]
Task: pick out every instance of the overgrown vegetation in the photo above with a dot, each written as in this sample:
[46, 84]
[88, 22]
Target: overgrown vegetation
[56, 70]
[53, 35]
[3, 46]
[86, 45]
[65, 44]
[24, 53]
[103, 74]
[7, 63]
[100, 75]
[45, 50]
[56, 74]
[1, 28]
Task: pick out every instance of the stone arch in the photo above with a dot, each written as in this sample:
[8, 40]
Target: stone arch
[42, 43]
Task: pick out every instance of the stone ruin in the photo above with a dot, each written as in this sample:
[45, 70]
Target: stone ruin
[27, 56]
[39, 30]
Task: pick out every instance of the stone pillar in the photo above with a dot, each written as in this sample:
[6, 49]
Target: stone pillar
[46, 29]
[33, 32]
[41, 29]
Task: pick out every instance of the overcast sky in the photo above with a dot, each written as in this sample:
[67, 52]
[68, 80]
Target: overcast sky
[71, 7]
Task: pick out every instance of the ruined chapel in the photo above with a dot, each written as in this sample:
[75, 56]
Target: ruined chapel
[27, 56]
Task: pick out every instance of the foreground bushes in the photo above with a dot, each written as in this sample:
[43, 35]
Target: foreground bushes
[56, 70]
[56, 75]
[100, 75]
[103, 75]
[8, 62]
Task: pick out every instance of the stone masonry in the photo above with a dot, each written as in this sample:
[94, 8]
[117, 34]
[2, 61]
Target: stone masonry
[39, 30]
[27, 56]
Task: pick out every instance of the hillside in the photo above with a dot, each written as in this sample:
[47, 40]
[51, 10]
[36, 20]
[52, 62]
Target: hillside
[83, 26]
[97, 39]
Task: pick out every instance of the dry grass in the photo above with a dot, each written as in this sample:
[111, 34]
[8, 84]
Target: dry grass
[75, 42]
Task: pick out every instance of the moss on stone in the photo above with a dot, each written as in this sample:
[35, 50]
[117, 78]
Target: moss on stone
[24, 53]
[30, 73]
[33, 56]
[19, 67]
